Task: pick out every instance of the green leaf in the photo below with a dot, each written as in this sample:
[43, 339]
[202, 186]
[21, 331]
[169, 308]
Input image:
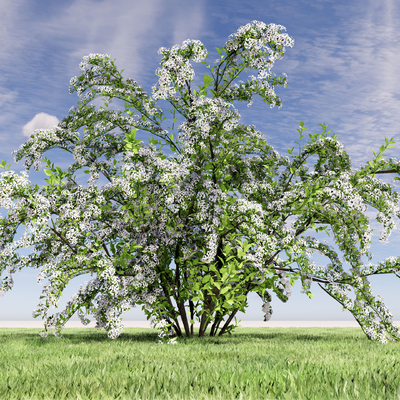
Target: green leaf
[225, 289]
[240, 297]
[224, 276]
[241, 253]
[207, 81]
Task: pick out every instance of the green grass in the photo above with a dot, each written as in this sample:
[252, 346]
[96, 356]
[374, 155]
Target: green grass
[253, 363]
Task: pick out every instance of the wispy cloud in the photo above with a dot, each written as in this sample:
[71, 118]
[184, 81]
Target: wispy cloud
[343, 69]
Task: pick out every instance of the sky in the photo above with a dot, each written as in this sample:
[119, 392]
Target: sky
[343, 70]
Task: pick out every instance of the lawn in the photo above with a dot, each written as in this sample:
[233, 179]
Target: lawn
[252, 363]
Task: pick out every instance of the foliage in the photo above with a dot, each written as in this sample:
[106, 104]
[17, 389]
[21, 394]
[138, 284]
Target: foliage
[186, 208]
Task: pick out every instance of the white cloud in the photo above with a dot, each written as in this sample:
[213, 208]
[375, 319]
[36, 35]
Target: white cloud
[39, 121]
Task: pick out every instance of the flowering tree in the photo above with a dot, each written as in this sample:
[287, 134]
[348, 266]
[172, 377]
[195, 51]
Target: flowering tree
[186, 209]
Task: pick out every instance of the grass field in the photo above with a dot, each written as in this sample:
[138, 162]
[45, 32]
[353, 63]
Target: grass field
[253, 363]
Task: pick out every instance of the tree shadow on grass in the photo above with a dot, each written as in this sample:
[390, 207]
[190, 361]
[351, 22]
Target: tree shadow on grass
[148, 335]
[75, 335]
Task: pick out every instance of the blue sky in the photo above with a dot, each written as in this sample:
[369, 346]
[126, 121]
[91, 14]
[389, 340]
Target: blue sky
[343, 70]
